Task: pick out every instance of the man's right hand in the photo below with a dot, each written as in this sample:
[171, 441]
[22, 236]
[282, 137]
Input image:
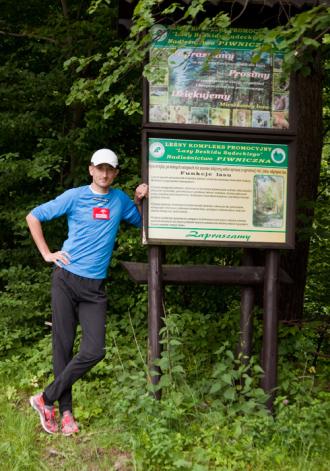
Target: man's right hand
[59, 258]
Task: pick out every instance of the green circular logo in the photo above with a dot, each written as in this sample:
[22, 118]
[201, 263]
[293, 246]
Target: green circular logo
[157, 150]
[278, 155]
[158, 33]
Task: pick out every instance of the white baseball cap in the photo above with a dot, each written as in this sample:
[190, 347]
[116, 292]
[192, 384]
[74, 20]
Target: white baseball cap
[105, 156]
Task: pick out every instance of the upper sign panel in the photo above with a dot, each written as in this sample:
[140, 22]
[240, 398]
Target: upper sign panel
[211, 79]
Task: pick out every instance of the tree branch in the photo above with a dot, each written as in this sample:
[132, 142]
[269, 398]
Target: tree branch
[27, 35]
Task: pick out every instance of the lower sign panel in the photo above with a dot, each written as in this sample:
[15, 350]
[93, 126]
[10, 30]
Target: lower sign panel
[212, 192]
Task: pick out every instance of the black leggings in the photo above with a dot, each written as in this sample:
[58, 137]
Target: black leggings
[75, 299]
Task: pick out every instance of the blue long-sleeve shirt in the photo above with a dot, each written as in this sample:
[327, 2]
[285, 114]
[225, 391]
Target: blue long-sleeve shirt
[93, 223]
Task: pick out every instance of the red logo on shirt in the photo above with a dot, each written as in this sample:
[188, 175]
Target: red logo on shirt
[101, 213]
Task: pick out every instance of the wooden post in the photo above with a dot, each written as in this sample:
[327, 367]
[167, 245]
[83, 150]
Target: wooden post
[269, 345]
[155, 311]
[246, 319]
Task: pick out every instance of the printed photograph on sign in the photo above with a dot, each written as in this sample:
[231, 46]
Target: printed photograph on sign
[214, 80]
[268, 202]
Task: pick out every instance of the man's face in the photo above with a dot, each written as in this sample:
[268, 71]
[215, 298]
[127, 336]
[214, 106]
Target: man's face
[103, 175]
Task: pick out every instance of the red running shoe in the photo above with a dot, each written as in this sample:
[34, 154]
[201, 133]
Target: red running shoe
[46, 414]
[69, 425]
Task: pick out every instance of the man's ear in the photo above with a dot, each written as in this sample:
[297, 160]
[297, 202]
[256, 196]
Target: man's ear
[90, 169]
[116, 173]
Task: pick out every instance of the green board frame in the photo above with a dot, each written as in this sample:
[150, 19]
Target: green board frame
[204, 190]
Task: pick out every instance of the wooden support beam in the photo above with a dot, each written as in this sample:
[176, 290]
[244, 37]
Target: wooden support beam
[155, 312]
[269, 342]
[202, 274]
[246, 318]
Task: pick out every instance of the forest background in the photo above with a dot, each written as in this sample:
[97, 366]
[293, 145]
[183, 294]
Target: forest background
[71, 82]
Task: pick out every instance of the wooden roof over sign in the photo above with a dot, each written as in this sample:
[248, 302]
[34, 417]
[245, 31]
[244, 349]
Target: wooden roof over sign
[271, 3]
[126, 7]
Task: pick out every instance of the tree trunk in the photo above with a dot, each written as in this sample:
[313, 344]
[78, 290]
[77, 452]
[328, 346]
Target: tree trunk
[308, 105]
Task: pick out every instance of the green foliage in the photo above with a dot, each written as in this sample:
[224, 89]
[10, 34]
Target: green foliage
[120, 69]
[24, 306]
[319, 255]
[299, 39]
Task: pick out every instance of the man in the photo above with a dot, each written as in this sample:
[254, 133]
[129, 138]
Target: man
[94, 213]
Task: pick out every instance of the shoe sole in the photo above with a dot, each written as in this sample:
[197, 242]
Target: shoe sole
[42, 420]
[70, 433]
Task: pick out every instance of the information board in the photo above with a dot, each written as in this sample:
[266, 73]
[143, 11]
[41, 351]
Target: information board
[212, 79]
[226, 193]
